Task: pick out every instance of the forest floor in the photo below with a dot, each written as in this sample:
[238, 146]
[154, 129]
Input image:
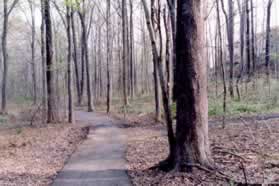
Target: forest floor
[32, 155]
[247, 150]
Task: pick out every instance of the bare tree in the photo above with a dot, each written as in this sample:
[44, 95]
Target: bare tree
[109, 61]
[125, 50]
[52, 112]
[33, 64]
[71, 118]
[167, 110]
[81, 13]
[248, 46]
[192, 105]
[241, 9]
[43, 58]
[77, 74]
[229, 18]
[6, 13]
[267, 45]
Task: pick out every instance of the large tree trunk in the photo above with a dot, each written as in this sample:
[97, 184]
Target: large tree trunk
[52, 112]
[222, 62]
[125, 50]
[229, 18]
[155, 69]
[241, 9]
[109, 60]
[132, 51]
[71, 118]
[90, 107]
[33, 64]
[172, 4]
[253, 38]
[6, 14]
[267, 46]
[192, 104]
[5, 58]
[78, 87]
[44, 93]
[248, 46]
[168, 55]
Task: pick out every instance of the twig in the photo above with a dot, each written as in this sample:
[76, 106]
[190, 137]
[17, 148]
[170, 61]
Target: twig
[244, 172]
[231, 153]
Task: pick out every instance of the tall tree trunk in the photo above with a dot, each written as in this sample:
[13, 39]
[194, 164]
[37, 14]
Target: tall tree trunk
[222, 63]
[155, 69]
[172, 4]
[71, 118]
[6, 14]
[33, 64]
[248, 46]
[168, 54]
[5, 58]
[44, 91]
[166, 103]
[90, 107]
[109, 60]
[229, 18]
[253, 38]
[52, 112]
[132, 52]
[192, 104]
[78, 87]
[267, 46]
[241, 9]
[125, 50]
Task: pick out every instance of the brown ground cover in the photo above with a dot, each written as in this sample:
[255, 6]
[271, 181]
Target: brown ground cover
[34, 155]
[244, 152]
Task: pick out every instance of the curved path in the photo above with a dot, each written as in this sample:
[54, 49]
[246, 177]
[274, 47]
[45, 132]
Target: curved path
[100, 160]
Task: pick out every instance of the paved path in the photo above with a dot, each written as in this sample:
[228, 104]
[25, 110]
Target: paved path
[100, 160]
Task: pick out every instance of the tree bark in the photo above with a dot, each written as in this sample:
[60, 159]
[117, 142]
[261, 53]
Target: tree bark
[248, 46]
[43, 58]
[108, 57]
[71, 118]
[267, 46]
[229, 18]
[155, 69]
[77, 75]
[33, 64]
[125, 50]
[192, 104]
[241, 9]
[6, 13]
[90, 106]
[253, 38]
[132, 51]
[52, 112]
[222, 63]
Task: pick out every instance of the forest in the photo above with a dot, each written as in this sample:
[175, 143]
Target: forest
[139, 92]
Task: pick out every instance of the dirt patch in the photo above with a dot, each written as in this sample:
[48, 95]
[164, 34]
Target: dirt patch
[33, 156]
[243, 151]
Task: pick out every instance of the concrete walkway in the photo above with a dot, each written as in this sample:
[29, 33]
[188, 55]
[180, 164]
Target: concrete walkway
[100, 160]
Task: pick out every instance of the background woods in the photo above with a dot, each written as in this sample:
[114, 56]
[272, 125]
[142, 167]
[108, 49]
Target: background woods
[184, 64]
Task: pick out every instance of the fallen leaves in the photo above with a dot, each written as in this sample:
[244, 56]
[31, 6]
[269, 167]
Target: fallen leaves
[35, 155]
[241, 151]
